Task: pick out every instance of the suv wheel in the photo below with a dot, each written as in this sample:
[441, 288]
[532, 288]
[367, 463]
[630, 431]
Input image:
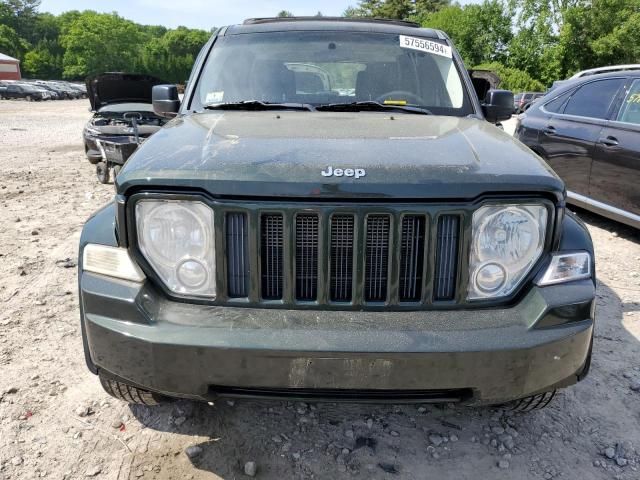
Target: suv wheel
[534, 402]
[129, 393]
[29, 98]
[102, 171]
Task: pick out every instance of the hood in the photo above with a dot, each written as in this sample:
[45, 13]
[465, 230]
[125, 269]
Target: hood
[284, 153]
[110, 88]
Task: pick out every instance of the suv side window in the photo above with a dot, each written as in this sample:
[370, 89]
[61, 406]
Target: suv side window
[557, 104]
[630, 109]
[594, 99]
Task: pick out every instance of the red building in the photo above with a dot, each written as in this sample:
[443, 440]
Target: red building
[9, 68]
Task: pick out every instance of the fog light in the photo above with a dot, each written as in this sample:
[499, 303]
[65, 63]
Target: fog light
[490, 277]
[192, 274]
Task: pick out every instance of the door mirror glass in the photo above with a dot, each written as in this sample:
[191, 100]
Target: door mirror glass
[166, 102]
[498, 105]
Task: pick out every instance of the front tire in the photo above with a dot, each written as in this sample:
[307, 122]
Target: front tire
[529, 404]
[129, 393]
[102, 172]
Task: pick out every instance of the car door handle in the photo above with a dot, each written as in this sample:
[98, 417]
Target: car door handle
[609, 141]
[549, 130]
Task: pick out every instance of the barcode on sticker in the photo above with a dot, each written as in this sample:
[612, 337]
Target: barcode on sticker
[425, 46]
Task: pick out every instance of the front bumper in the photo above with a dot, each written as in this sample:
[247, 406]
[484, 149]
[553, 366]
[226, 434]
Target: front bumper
[485, 356]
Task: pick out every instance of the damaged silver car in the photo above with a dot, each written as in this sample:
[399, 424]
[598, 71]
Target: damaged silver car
[123, 118]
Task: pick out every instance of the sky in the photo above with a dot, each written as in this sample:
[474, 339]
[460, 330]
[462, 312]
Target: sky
[204, 14]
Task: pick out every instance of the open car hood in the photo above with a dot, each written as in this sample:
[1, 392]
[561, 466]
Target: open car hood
[110, 88]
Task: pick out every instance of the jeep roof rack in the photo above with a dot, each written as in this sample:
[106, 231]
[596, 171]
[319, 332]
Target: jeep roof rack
[257, 21]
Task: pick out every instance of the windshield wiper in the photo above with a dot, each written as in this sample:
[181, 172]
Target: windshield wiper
[259, 105]
[370, 106]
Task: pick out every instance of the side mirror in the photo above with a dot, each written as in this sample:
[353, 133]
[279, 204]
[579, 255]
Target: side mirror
[498, 105]
[166, 102]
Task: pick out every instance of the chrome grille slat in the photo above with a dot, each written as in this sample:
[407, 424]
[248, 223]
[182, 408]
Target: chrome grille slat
[272, 255]
[307, 232]
[377, 258]
[411, 257]
[237, 246]
[341, 254]
[446, 257]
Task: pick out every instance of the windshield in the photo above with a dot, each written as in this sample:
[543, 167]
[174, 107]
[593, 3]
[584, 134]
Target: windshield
[328, 67]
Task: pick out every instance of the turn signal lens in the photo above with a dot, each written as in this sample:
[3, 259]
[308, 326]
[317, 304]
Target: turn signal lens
[566, 267]
[111, 261]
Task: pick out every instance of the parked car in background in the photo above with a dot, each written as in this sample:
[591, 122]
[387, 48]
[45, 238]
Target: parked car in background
[596, 71]
[63, 93]
[26, 91]
[81, 91]
[122, 119]
[65, 89]
[588, 131]
[521, 100]
[55, 93]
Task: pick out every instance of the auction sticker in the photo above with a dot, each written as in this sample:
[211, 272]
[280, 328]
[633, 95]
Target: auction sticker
[425, 46]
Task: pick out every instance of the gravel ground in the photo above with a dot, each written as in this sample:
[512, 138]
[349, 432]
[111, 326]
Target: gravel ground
[56, 422]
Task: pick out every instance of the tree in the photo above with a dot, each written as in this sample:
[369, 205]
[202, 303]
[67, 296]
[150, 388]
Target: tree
[171, 56]
[395, 9]
[284, 13]
[11, 43]
[512, 78]
[480, 32]
[99, 42]
[40, 62]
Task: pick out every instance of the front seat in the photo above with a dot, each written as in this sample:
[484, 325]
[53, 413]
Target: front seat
[272, 81]
[375, 80]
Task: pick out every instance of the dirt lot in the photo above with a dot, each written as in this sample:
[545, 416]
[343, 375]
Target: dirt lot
[56, 422]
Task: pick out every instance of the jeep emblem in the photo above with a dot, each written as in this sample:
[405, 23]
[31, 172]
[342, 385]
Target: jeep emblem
[347, 172]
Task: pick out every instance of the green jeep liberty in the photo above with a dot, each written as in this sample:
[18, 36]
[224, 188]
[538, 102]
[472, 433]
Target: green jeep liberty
[332, 214]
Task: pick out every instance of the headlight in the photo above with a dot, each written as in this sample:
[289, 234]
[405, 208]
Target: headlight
[507, 241]
[176, 238]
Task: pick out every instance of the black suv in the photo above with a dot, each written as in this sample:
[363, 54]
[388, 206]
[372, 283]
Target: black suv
[331, 213]
[25, 91]
[588, 130]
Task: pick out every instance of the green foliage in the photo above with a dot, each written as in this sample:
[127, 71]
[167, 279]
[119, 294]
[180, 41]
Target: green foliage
[40, 62]
[171, 56]
[76, 44]
[11, 43]
[481, 32]
[98, 42]
[395, 9]
[285, 13]
[512, 78]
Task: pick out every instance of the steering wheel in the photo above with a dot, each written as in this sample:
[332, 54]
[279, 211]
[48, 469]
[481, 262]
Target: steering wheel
[411, 98]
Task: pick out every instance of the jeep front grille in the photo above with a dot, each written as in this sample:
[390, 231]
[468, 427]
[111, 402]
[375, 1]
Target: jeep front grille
[238, 266]
[341, 256]
[272, 256]
[377, 258]
[446, 257]
[307, 236]
[411, 257]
